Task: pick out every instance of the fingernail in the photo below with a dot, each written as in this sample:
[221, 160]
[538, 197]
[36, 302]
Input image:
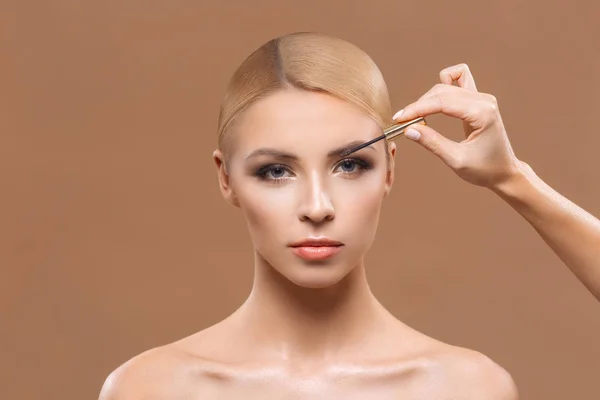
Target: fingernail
[398, 114]
[412, 134]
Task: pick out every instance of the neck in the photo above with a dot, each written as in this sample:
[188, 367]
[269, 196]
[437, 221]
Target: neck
[310, 323]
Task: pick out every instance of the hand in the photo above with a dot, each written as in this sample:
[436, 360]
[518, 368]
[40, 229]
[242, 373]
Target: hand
[485, 157]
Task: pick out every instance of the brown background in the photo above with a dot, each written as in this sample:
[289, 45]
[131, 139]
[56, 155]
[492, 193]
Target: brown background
[115, 239]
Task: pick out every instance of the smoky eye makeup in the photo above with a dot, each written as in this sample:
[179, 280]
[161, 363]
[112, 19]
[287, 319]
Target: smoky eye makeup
[277, 172]
[353, 165]
[272, 168]
[273, 172]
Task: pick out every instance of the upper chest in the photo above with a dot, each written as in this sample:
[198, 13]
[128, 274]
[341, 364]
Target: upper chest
[399, 383]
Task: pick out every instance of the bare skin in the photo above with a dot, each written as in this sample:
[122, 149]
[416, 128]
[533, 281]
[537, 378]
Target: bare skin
[314, 330]
[323, 348]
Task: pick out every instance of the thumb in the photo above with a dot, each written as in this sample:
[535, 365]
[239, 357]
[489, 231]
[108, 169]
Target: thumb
[447, 150]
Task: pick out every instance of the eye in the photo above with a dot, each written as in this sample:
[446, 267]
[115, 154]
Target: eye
[273, 172]
[348, 166]
[353, 166]
[277, 171]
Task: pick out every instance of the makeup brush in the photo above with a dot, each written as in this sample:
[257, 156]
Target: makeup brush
[389, 133]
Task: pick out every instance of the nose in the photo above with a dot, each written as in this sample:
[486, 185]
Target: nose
[315, 205]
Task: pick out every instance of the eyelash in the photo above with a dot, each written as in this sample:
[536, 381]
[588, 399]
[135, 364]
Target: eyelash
[262, 172]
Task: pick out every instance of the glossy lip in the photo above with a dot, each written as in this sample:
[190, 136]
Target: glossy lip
[316, 249]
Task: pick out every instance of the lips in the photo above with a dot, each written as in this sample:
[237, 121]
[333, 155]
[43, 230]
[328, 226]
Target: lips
[316, 249]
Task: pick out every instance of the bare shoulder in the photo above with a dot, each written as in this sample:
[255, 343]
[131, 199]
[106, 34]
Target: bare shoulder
[451, 372]
[156, 373]
[171, 371]
[471, 375]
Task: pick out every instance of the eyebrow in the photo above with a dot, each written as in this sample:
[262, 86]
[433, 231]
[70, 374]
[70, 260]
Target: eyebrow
[281, 154]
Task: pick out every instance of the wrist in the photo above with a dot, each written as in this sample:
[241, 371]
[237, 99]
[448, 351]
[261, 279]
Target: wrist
[515, 182]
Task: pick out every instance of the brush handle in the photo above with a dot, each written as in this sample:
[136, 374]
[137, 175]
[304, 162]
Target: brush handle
[396, 130]
[389, 134]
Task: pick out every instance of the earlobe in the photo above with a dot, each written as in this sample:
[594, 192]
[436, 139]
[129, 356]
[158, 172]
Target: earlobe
[224, 179]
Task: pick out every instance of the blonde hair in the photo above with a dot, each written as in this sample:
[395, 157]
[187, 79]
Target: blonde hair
[308, 61]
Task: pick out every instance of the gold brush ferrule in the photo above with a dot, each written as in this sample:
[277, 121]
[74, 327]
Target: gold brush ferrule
[396, 130]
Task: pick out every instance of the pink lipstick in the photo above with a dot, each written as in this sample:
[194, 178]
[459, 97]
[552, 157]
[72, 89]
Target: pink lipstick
[316, 249]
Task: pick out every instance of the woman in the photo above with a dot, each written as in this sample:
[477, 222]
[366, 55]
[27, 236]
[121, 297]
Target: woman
[311, 328]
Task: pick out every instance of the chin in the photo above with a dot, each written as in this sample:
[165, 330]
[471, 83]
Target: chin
[316, 276]
[308, 274]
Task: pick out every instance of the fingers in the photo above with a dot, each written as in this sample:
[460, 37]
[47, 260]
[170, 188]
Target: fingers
[476, 108]
[461, 74]
[449, 100]
[447, 150]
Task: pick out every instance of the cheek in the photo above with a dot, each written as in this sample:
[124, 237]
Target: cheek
[267, 210]
[359, 203]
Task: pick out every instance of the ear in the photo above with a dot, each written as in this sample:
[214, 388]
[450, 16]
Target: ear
[224, 179]
[389, 179]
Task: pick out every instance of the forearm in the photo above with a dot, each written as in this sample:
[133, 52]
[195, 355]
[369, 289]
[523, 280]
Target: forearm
[571, 232]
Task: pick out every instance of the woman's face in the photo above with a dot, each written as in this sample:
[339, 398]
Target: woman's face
[311, 213]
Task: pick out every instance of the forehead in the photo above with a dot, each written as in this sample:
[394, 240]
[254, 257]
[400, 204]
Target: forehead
[299, 120]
